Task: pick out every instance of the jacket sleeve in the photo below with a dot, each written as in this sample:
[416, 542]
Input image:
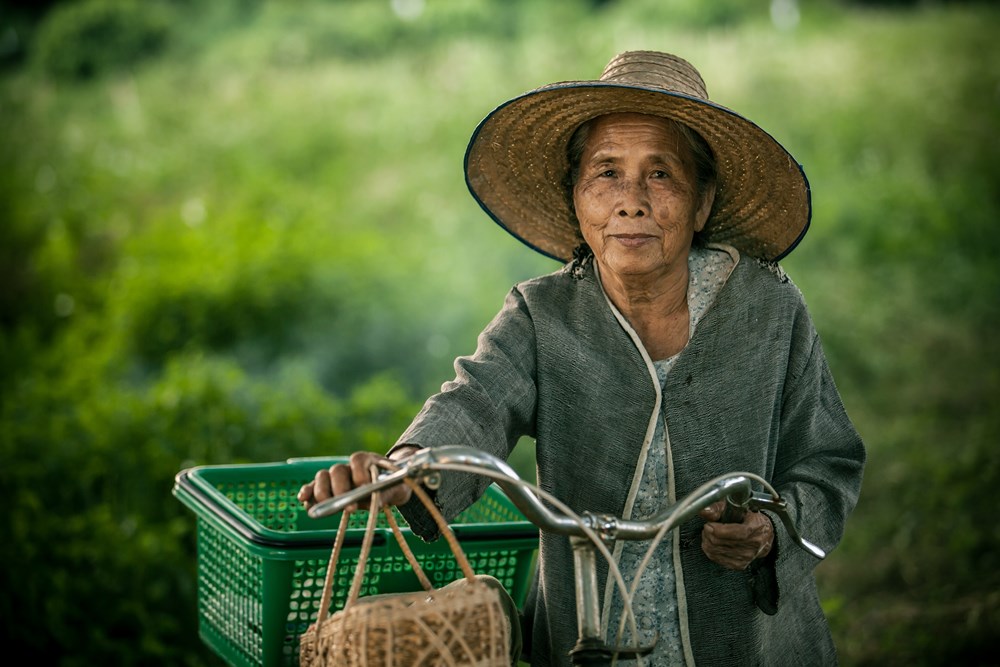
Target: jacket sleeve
[818, 470]
[489, 405]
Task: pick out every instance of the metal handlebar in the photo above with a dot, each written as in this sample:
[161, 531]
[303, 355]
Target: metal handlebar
[426, 464]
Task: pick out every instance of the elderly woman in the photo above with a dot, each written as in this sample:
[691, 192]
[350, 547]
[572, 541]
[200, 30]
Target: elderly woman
[669, 349]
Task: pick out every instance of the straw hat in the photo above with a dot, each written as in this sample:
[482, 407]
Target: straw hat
[516, 161]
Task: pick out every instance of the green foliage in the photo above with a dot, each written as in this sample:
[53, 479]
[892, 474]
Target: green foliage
[240, 293]
[697, 14]
[263, 248]
[84, 39]
[93, 522]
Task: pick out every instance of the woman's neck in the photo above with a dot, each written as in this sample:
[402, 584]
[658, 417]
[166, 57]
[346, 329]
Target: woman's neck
[656, 308]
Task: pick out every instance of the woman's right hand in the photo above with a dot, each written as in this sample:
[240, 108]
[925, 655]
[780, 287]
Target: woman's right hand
[343, 477]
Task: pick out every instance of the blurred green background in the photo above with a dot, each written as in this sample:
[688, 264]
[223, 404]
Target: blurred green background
[238, 231]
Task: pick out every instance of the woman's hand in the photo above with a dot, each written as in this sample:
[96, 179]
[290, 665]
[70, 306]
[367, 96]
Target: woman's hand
[343, 477]
[735, 545]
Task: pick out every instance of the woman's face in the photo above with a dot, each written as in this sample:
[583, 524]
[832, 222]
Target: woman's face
[636, 196]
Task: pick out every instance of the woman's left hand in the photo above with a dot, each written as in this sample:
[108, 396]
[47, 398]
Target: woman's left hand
[735, 545]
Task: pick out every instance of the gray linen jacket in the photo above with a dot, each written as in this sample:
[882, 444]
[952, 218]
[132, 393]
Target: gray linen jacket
[750, 392]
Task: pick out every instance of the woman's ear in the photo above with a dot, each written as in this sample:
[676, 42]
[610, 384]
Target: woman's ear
[705, 209]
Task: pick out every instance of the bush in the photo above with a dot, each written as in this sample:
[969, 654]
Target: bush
[79, 41]
[99, 564]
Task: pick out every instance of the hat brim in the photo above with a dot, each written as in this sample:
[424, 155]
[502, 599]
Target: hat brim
[516, 163]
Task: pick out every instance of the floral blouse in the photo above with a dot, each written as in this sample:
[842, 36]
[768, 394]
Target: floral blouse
[655, 602]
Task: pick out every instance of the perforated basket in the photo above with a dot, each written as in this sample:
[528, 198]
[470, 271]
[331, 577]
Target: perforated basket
[262, 560]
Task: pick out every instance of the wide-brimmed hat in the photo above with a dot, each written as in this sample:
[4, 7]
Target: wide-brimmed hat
[516, 163]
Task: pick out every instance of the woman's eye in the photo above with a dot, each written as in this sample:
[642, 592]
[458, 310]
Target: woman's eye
[659, 173]
[608, 173]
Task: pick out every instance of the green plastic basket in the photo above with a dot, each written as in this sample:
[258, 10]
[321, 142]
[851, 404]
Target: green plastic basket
[262, 560]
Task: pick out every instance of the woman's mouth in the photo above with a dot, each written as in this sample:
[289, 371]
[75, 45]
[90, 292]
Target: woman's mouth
[632, 240]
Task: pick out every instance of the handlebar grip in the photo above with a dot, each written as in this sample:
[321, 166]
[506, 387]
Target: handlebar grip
[339, 503]
[737, 505]
[732, 512]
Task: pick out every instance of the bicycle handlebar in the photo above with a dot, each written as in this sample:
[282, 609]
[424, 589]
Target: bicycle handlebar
[736, 488]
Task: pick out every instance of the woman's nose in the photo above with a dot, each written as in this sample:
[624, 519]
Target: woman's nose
[634, 201]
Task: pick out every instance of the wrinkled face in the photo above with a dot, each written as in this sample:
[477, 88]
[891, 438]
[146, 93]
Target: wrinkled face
[636, 196]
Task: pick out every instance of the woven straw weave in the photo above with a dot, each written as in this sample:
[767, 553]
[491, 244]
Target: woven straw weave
[461, 625]
[456, 625]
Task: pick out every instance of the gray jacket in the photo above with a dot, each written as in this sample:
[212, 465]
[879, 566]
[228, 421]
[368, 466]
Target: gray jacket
[750, 392]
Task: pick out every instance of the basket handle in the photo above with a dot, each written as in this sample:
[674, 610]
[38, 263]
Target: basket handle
[366, 543]
[338, 543]
[410, 557]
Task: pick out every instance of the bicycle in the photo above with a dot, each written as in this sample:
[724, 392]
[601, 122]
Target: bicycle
[589, 533]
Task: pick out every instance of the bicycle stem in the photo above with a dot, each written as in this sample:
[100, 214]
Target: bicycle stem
[587, 599]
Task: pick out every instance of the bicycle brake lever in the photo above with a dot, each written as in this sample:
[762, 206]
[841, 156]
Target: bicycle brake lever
[762, 501]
